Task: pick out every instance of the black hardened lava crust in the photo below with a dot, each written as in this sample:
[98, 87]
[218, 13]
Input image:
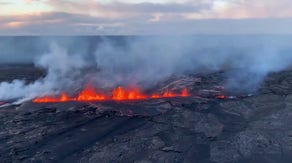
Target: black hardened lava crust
[255, 128]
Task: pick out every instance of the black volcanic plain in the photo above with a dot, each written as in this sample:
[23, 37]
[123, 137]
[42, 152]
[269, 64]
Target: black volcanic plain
[251, 128]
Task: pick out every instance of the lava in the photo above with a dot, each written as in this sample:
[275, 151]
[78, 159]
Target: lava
[89, 94]
[184, 93]
[132, 94]
[46, 99]
[168, 93]
[118, 94]
[221, 97]
[155, 96]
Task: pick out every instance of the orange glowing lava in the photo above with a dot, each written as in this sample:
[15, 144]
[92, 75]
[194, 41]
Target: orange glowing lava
[89, 94]
[118, 94]
[155, 96]
[168, 93]
[46, 99]
[184, 93]
[221, 97]
[131, 94]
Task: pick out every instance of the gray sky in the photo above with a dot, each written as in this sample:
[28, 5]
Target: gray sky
[140, 17]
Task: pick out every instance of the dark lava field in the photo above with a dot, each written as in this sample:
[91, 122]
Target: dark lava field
[197, 129]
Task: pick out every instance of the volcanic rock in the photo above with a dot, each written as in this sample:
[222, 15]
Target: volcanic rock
[255, 128]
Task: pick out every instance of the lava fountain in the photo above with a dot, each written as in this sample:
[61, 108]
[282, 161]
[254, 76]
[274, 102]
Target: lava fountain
[117, 94]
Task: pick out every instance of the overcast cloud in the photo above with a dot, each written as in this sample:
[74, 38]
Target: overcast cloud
[113, 17]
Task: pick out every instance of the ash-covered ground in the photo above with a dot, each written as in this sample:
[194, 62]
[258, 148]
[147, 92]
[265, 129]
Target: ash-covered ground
[247, 128]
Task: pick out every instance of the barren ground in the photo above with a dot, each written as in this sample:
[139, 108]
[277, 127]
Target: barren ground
[255, 128]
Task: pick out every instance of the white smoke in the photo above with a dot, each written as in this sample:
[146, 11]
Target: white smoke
[62, 71]
[148, 60]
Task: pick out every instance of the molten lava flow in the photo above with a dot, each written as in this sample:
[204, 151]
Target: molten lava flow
[184, 93]
[64, 97]
[168, 93]
[221, 97]
[46, 99]
[133, 94]
[118, 94]
[89, 94]
[155, 96]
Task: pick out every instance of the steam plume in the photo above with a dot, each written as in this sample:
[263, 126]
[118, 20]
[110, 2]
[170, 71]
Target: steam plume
[109, 62]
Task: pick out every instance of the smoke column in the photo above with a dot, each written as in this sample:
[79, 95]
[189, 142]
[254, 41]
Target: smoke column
[63, 71]
[111, 61]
